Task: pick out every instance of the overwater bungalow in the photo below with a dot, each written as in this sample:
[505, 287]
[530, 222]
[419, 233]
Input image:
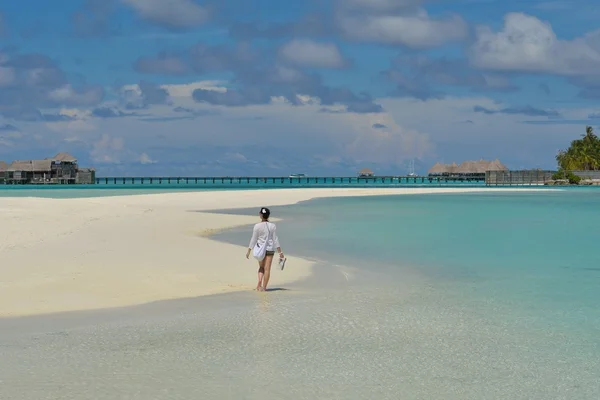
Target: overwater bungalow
[60, 169]
[470, 169]
[439, 169]
[365, 172]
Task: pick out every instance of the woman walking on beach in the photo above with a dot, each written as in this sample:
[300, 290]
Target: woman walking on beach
[264, 241]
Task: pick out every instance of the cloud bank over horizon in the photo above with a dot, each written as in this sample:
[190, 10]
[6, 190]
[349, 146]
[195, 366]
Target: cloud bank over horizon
[143, 87]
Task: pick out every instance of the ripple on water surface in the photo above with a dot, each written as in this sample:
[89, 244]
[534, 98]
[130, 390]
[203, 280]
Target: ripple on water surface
[358, 342]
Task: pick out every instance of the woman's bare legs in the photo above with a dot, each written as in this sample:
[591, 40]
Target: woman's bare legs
[267, 271]
[261, 272]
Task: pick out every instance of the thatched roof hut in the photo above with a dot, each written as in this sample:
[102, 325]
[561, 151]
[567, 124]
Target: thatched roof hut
[496, 165]
[442, 169]
[438, 169]
[469, 167]
[31, 165]
[480, 167]
[63, 157]
[3, 166]
[365, 172]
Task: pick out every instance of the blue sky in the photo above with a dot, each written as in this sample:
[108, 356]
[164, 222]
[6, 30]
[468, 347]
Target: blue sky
[266, 87]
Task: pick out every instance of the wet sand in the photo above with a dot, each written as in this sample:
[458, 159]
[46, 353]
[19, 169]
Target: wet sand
[92, 253]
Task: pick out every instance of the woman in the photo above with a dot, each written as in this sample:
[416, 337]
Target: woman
[265, 233]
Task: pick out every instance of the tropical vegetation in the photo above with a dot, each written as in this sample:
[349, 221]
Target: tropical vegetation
[563, 175]
[582, 155]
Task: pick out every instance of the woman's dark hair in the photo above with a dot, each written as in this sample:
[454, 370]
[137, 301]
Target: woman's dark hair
[265, 212]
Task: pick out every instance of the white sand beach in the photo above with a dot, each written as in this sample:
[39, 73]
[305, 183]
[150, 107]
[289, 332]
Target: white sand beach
[91, 253]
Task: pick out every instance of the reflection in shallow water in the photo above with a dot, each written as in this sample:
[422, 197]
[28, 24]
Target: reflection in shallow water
[265, 302]
[373, 340]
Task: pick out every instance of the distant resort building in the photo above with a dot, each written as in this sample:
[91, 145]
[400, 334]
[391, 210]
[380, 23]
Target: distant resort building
[60, 169]
[472, 169]
[365, 172]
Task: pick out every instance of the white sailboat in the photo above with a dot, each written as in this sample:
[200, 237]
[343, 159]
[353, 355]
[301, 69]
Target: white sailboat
[411, 169]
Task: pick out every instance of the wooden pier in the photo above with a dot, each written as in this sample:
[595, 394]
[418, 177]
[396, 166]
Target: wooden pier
[491, 178]
[318, 180]
[535, 177]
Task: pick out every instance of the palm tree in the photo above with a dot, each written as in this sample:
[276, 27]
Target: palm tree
[582, 155]
[589, 134]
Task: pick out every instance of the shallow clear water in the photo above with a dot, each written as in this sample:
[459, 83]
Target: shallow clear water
[471, 296]
[358, 341]
[537, 249]
[527, 264]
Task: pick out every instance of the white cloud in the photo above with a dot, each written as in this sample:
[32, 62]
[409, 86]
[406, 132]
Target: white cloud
[10, 137]
[504, 136]
[7, 76]
[528, 44]
[280, 125]
[283, 74]
[67, 95]
[186, 89]
[395, 143]
[170, 13]
[133, 91]
[239, 157]
[70, 127]
[146, 159]
[107, 149]
[302, 137]
[308, 99]
[35, 76]
[75, 113]
[308, 53]
[79, 125]
[416, 30]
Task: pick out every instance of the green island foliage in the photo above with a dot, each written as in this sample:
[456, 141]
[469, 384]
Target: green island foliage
[566, 175]
[582, 155]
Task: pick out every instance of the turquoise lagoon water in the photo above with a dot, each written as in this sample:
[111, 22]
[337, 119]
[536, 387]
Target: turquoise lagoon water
[537, 253]
[137, 187]
[450, 297]
[516, 273]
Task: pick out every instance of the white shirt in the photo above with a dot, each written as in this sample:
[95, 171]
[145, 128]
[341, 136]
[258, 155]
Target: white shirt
[263, 231]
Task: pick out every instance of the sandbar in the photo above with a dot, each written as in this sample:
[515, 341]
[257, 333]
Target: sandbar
[91, 253]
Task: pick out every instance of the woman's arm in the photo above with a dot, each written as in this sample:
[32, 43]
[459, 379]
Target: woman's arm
[254, 237]
[276, 241]
[253, 240]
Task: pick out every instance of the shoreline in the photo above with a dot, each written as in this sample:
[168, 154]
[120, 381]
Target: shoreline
[80, 254]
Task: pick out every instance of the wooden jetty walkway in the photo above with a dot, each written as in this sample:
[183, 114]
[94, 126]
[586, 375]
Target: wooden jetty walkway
[287, 180]
[491, 178]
